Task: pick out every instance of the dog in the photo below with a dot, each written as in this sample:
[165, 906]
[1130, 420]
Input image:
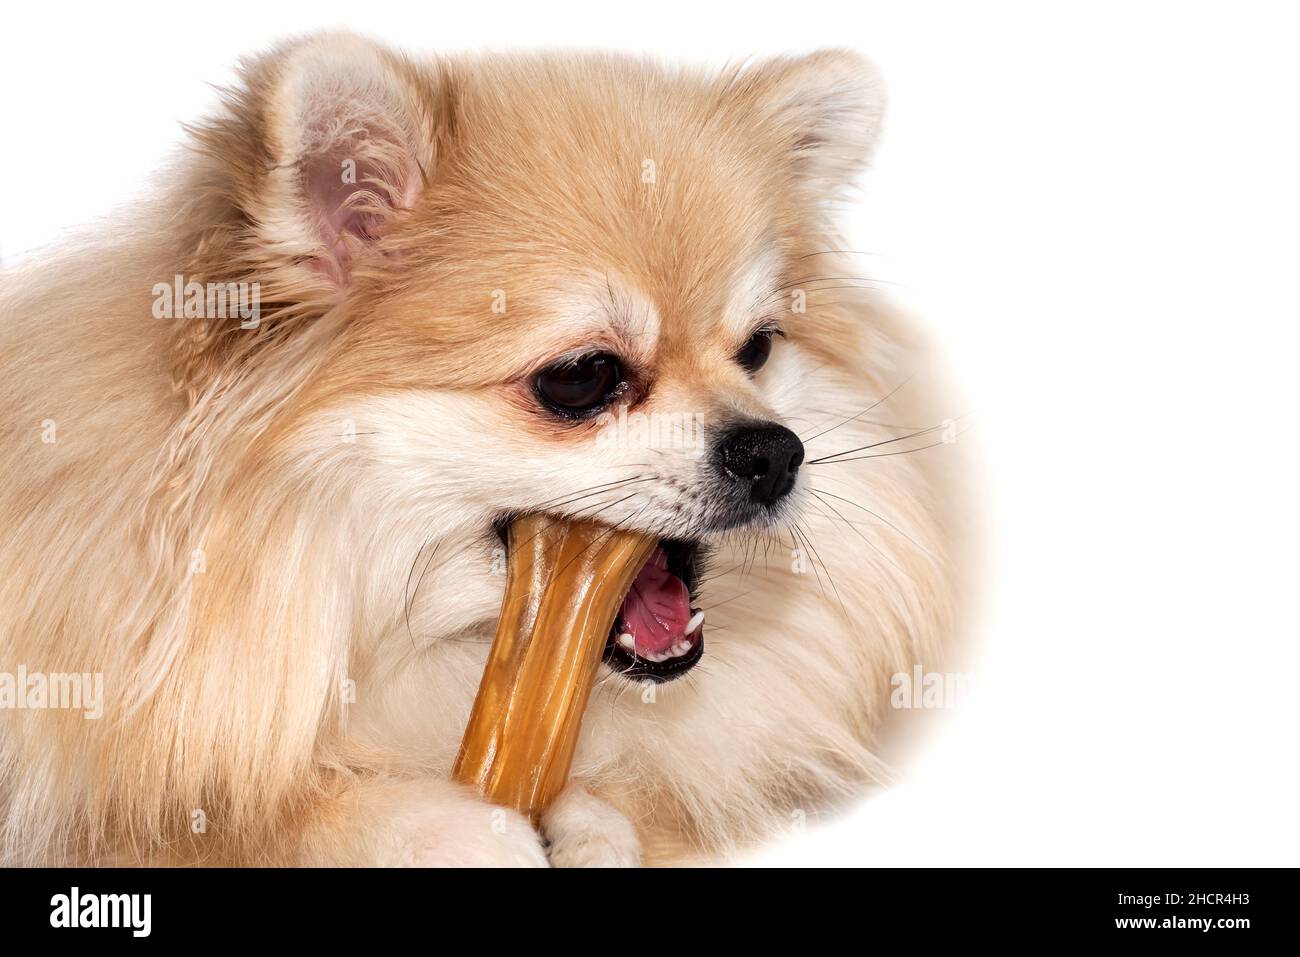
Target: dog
[264, 428]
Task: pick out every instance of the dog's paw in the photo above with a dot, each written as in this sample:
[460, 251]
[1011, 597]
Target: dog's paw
[472, 833]
[421, 823]
[584, 831]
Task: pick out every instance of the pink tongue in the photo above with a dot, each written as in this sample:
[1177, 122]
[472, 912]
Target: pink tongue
[658, 608]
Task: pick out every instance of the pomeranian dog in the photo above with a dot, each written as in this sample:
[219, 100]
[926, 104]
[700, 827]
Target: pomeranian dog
[264, 426]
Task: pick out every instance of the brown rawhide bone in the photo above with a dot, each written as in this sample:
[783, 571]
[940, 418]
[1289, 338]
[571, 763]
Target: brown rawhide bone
[565, 582]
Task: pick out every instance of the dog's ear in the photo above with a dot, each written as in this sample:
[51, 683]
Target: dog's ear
[338, 136]
[347, 147]
[314, 154]
[827, 108]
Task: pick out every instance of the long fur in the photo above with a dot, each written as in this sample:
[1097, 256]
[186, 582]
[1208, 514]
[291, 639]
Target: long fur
[276, 544]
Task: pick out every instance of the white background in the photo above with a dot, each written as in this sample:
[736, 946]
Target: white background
[1096, 207]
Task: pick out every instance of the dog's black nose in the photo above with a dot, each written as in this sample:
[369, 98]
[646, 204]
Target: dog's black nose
[767, 457]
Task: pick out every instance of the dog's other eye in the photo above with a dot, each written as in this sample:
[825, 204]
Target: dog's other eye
[753, 355]
[579, 386]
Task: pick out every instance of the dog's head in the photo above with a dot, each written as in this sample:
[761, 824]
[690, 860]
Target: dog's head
[565, 284]
[580, 285]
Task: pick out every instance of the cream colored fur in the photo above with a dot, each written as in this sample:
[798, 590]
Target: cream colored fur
[276, 544]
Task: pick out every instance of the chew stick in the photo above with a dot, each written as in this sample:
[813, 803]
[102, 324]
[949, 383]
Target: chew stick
[565, 581]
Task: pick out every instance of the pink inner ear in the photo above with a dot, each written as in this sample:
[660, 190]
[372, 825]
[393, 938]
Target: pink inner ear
[349, 196]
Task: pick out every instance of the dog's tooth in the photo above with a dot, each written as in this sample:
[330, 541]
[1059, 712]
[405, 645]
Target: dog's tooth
[697, 619]
[627, 641]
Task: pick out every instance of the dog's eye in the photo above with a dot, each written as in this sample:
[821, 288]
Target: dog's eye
[753, 356]
[583, 385]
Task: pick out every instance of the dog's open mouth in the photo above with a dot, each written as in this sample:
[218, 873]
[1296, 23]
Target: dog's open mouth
[658, 634]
